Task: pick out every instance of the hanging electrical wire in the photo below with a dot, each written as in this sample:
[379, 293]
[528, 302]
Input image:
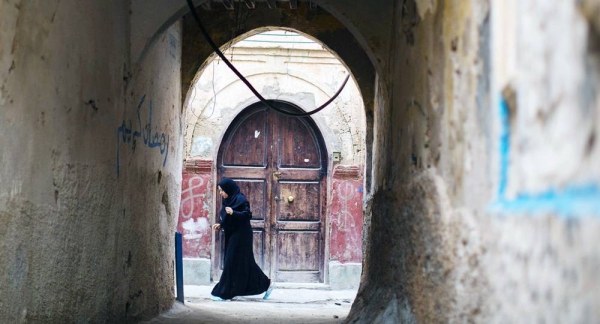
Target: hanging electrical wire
[271, 105]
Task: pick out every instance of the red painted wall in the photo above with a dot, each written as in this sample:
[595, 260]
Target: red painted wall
[346, 214]
[196, 208]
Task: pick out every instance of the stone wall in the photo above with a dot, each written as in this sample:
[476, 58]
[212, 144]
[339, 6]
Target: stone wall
[490, 198]
[482, 202]
[89, 186]
[547, 189]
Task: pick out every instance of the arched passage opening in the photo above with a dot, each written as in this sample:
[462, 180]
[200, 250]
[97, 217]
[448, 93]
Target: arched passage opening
[90, 185]
[230, 26]
[286, 66]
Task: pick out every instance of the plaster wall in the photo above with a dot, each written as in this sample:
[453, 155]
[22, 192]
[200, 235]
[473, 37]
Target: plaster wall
[367, 22]
[86, 206]
[490, 201]
[303, 73]
[545, 94]
[475, 214]
[195, 214]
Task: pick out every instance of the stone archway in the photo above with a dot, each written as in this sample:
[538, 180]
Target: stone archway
[218, 96]
[330, 32]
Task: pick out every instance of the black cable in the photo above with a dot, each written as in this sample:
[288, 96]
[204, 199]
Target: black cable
[246, 82]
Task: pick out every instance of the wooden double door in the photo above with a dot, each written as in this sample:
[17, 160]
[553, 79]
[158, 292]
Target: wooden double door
[280, 164]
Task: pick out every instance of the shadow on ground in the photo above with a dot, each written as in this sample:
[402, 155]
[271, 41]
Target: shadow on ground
[286, 305]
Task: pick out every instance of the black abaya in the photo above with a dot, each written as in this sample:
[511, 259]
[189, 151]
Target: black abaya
[241, 275]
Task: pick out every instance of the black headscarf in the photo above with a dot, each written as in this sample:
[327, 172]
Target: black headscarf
[235, 198]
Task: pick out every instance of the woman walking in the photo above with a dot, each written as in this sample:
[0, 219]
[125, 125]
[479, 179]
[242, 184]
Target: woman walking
[241, 275]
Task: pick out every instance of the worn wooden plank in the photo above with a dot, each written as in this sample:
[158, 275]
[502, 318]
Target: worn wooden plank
[247, 143]
[258, 224]
[298, 146]
[297, 226]
[296, 251]
[298, 276]
[289, 174]
[244, 172]
[305, 201]
[258, 247]
[255, 191]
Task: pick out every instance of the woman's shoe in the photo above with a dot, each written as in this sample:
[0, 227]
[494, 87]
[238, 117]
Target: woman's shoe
[269, 291]
[215, 298]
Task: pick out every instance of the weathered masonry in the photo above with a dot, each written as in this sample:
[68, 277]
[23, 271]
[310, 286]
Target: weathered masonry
[482, 164]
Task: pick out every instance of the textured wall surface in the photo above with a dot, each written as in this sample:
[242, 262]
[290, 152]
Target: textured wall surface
[490, 194]
[296, 71]
[88, 183]
[482, 201]
[547, 196]
[346, 215]
[196, 210]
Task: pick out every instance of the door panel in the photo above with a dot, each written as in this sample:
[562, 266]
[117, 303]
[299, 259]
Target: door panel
[296, 251]
[247, 145]
[298, 230]
[258, 246]
[272, 157]
[298, 227]
[305, 204]
[297, 147]
[296, 257]
[254, 190]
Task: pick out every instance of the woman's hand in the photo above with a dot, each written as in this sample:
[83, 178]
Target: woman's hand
[228, 210]
[216, 227]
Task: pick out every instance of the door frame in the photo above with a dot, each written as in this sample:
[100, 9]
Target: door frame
[316, 127]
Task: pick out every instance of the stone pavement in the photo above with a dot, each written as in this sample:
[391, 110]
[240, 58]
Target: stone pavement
[306, 304]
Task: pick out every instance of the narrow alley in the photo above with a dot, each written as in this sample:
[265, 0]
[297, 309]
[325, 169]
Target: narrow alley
[453, 174]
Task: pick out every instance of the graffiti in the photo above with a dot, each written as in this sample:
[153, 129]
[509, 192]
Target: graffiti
[194, 215]
[188, 203]
[127, 135]
[571, 201]
[195, 229]
[346, 212]
[346, 193]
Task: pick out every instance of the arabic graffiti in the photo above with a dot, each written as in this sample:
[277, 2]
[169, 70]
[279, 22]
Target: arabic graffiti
[127, 135]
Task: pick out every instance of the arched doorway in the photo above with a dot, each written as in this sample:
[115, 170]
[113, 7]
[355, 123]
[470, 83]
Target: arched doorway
[280, 163]
[218, 98]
